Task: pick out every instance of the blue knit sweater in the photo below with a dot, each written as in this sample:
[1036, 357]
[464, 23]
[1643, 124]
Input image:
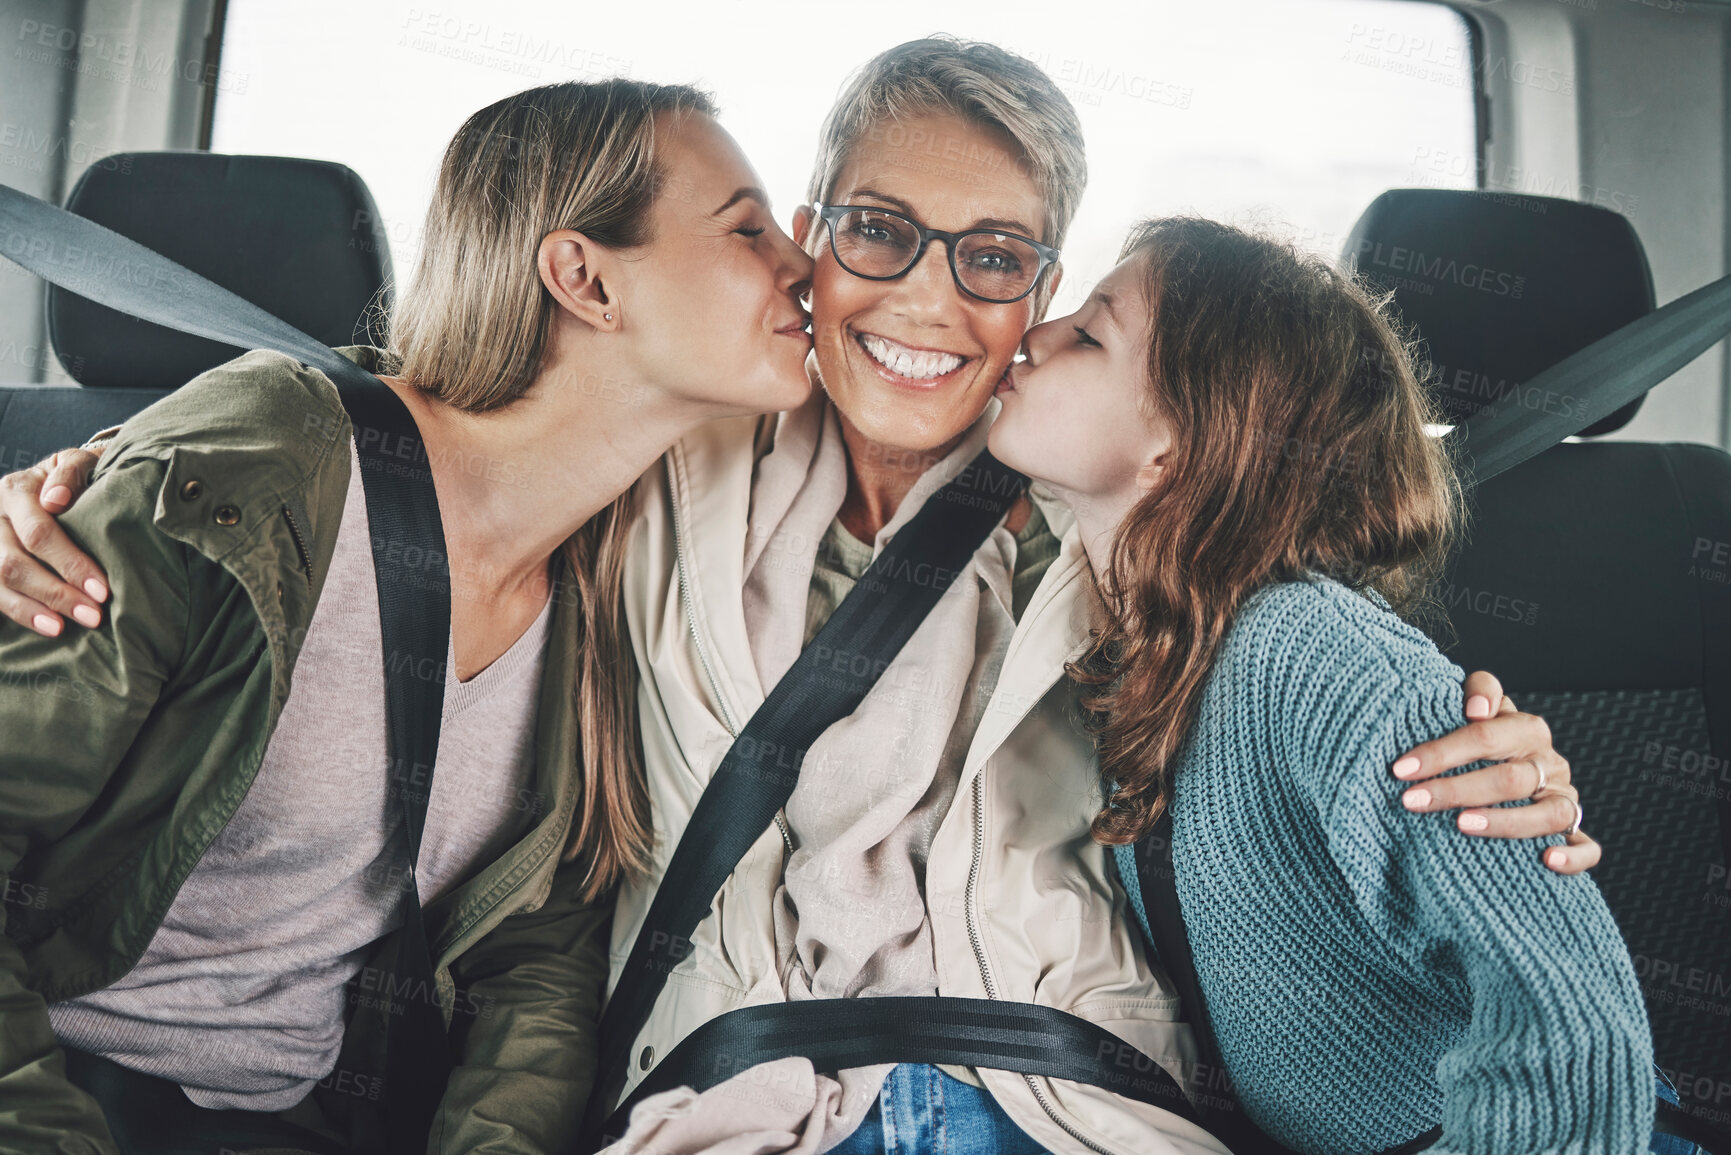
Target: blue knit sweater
[1370, 971]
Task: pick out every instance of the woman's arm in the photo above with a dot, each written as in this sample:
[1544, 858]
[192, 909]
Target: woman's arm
[1518, 764]
[45, 578]
[1559, 1054]
[69, 709]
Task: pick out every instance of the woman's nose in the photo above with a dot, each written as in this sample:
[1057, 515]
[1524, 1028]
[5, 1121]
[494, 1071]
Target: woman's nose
[1036, 341]
[797, 267]
[927, 292]
[933, 266]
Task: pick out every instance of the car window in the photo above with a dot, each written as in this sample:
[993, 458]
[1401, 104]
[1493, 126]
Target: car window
[1261, 111]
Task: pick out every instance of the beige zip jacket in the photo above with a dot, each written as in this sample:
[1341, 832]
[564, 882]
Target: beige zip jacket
[1023, 904]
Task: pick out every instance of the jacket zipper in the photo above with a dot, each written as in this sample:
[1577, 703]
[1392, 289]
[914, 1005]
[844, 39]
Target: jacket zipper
[986, 971]
[727, 718]
[300, 545]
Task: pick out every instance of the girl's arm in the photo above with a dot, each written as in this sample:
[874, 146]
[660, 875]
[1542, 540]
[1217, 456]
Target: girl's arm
[1559, 1054]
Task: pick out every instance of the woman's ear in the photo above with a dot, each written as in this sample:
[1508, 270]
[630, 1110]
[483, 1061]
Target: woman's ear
[577, 272]
[1152, 469]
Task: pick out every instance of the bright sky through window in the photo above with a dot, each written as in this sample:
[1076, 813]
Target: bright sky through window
[1282, 112]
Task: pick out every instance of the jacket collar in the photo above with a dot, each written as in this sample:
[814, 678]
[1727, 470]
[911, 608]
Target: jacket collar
[459, 919]
[709, 480]
[1053, 631]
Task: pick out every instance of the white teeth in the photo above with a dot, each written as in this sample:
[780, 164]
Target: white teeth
[919, 365]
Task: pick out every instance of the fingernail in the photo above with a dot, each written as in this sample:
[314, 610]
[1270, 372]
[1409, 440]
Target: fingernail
[1555, 857]
[1474, 821]
[87, 615]
[1415, 799]
[58, 495]
[46, 624]
[1406, 766]
[96, 589]
[1478, 706]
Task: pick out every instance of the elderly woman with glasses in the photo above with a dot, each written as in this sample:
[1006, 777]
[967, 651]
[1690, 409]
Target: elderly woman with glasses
[937, 840]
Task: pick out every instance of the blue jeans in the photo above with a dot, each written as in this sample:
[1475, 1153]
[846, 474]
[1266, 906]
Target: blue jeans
[921, 1109]
[1669, 1144]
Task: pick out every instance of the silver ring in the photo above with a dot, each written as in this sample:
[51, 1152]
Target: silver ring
[1580, 814]
[1543, 779]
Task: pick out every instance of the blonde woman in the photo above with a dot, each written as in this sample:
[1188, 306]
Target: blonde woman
[209, 815]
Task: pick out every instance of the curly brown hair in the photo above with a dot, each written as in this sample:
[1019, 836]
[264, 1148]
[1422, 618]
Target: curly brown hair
[1299, 449]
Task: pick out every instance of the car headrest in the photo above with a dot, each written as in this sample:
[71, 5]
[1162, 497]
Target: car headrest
[299, 238]
[1501, 287]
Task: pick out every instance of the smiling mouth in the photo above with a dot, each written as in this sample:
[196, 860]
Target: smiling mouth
[908, 365]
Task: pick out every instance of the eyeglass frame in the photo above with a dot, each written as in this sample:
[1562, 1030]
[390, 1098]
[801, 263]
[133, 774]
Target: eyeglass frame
[829, 214]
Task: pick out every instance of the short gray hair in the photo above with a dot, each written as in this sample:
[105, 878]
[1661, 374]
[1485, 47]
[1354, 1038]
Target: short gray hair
[979, 82]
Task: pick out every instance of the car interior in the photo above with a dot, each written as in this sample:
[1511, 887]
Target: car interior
[1594, 579]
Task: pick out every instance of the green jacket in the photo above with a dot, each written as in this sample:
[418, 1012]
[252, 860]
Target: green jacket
[125, 749]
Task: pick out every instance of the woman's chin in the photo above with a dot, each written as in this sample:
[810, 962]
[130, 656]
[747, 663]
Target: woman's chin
[796, 393]
[1002, 441]
[788, 390]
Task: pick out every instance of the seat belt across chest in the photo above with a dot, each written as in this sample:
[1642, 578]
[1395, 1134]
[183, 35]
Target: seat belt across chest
[414, 601]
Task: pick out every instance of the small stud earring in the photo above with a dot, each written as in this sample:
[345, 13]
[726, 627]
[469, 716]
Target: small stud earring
[609, 316]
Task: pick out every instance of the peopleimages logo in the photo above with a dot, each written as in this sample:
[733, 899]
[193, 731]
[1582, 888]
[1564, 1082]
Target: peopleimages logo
[121, 61]
[1440, 270]
[1678, 980]
[1490, 604]
[1488, 394]
[503, 48]
[23, 147]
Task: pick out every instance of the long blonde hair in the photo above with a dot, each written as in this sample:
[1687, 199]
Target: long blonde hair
[472, 331]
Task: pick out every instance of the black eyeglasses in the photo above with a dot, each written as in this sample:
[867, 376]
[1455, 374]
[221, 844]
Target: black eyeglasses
[882, 244]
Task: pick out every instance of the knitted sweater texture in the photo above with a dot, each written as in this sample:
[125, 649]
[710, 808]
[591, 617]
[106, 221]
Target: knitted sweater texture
[1370, 971]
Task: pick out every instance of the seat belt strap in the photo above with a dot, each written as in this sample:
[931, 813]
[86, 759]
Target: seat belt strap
[415, 628]
[96, 262]
[839, 1034]
[827, 682]
[1603, 377]
[1153, 894]
[756, 777]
